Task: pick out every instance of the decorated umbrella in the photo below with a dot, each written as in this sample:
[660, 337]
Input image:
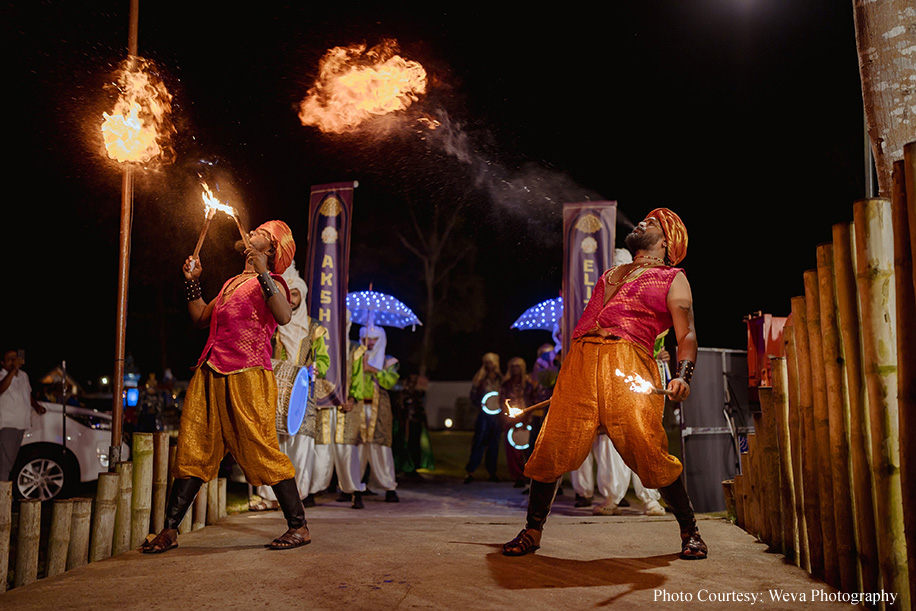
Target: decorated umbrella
[371, 307]
[542, 316]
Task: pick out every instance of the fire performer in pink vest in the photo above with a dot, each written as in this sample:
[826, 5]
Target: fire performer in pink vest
[231, 402]
[612, 343]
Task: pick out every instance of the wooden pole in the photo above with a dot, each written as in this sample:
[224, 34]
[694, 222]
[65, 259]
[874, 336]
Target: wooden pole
[200, 507]
[59, 537]
[78, 553]
[753, 490]
[160, 480]
[821, 428]
[27, 542]
[743, 501]
[909, 171]
[779, 369]
[857, 401]
[769, 463]
[222, 483]
[728, 492]
[837, 408]
[121, 541]
[795, 445]
[906, 357]
[212, 501]
[877, 296]
[103, 516]
[808, 441]
[6, 521]
[142, 492]
[739, 501]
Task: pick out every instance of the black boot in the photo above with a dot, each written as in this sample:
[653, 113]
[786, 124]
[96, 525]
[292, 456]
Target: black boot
[288, 497]
[540, 498]
[180, 499]
[692, 545]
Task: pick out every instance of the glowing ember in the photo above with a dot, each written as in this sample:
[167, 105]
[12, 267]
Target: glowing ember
[138, 127]
[355, 84]
[636, 382]
[514, 412]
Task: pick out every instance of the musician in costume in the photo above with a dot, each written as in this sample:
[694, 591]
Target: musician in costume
[337, 431]
[301, 342]
[630, 306]
[380, 374]
[231, 402]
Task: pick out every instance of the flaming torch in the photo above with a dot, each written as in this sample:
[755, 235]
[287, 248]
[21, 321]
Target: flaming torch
[134, 132]
[640, 385]
[211, 206]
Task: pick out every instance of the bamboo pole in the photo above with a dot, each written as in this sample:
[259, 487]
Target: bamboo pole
[184, 526]
[160, 480]
[78, 552]
[769, 472]
[142, 493]
[739, 502]
[754, 495]
[837, 409]
[821, 429]
[780, 381]
[728, 492]
[27, 542]
[59, 537]
[909, 171]
[121, 541]
[742, 505]
[857, 402]
[222, 484]
[103, 516]
[795, 445]
[200, 507]
[877, 296]
[6, 522]
[212, 501]
[906, 358]
[808, 442]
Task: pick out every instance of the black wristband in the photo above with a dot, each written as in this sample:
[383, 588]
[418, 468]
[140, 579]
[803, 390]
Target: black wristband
[192, 289]
[268, 285]
[685, 370]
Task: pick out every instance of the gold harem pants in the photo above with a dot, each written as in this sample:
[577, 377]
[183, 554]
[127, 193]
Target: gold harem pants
[589, 395]
[233, 413]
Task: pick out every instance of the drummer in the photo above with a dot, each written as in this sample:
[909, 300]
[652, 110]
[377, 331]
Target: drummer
[301, 342]
[231, 402]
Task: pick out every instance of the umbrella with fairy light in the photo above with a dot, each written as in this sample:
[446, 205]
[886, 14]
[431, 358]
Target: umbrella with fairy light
[373, 308]
[541, 316]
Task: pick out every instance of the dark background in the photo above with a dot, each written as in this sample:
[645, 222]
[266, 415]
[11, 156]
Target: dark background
[743, 116]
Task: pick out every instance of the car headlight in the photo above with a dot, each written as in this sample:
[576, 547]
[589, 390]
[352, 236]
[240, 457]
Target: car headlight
[101, 452]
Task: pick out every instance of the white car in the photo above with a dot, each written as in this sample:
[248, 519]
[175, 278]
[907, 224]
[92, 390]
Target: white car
[45, 468]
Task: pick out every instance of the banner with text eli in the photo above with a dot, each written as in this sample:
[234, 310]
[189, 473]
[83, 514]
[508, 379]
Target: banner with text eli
[589, 231]
[330, 214]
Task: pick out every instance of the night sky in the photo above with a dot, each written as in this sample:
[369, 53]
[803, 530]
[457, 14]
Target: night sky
[744, 116]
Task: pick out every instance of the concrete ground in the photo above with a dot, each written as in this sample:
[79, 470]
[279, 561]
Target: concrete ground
[439, 548]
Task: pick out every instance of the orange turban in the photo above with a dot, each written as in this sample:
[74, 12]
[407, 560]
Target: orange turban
[675, 234]
[284, 243]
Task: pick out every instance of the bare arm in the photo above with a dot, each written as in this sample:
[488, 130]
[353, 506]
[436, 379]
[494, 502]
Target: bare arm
[278, 302]
[680, 305]
[199, 310]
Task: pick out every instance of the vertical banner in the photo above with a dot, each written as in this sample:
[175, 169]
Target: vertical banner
[330, 214]
[589, 231]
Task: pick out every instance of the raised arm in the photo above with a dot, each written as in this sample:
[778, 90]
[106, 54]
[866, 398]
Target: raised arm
[199, 310]
[680, 305]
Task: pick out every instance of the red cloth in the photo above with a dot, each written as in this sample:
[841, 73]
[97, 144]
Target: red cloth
[286, 246]
[675, 234]
[638, 312]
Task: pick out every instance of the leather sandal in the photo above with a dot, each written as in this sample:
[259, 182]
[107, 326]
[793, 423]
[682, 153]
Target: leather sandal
[292, 538]
[263, 505]
[520, 545]
[163, 542]
[692, 545]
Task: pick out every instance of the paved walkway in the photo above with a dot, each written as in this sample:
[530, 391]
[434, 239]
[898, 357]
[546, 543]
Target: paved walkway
[437, 549]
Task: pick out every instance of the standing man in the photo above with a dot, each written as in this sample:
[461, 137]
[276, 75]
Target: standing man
[630, 306]
[380, 374]
[488, 426]
[16, 405]
[231, 402]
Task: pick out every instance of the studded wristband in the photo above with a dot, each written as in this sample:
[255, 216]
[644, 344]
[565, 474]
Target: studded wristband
[192, 289]
[268, 285]
[685, 370]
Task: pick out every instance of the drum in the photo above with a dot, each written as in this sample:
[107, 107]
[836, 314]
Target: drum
[292, 395]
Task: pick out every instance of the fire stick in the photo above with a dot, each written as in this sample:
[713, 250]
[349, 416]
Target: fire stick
[655, 391]
[203, 232]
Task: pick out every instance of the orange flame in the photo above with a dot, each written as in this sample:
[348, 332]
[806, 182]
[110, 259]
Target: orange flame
[514, 412]
[637, 382]
[355, 85]
[211, 203]
[138, 127]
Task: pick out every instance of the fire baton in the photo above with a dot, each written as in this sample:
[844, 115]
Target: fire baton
[211, 212]
[238, 223]
[515, 412]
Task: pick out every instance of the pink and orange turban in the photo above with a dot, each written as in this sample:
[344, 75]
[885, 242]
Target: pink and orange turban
[284, 243]
[675, 234]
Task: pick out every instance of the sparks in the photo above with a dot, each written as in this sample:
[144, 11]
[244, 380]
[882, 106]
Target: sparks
[637, 383]
[138, 128]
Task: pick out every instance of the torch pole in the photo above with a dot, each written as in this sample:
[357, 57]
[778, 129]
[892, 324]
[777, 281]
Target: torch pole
[127, 197]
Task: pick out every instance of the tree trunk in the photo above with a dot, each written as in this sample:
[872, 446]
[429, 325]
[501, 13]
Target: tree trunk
[886, 43]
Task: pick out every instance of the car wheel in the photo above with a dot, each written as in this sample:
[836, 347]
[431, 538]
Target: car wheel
[43, 474]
